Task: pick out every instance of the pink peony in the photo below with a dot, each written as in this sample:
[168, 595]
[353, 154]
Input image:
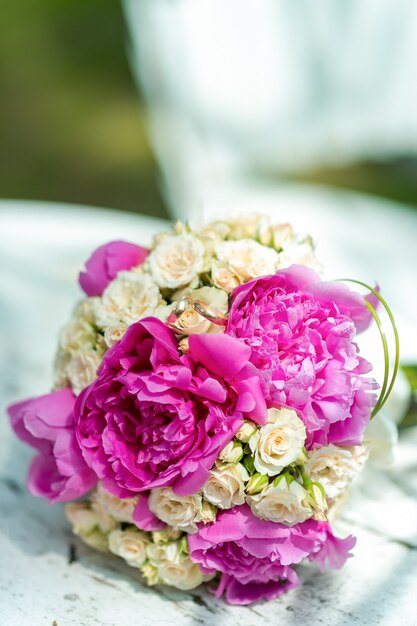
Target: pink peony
[154, 418]
[106, 262]
[59, 471]
[301, 331]
[254, 556]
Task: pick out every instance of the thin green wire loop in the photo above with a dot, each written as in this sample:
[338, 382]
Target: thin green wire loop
[385, 393]
[377, 319]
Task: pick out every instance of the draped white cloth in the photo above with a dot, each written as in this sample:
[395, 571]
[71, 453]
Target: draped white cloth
[241, 87]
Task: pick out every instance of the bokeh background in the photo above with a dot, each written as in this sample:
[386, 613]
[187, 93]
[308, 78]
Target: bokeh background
[73, 125]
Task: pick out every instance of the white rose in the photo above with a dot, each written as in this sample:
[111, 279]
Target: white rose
[166, 534]
[246, 431]
[181, 512]
[114, 333]
[128, 298]
[223, 276]
[211, 235]
[62, 360]
[81, 517]
[335, 467]
[275, 234]
[279, 443]
[282, 503]
[232, 453]
[191, 323]
[208, 512]
[120, 509]
[130, 545]
[176, 260]
[226, 486]
[82, 369]
[156, 552]
[244, 226]
[177, 569]
[247, 258]
[150, 573]
[86, 524]
[194, 309]
[301, 254]
[80, 333]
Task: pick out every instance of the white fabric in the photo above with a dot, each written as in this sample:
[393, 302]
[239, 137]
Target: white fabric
[241, 87]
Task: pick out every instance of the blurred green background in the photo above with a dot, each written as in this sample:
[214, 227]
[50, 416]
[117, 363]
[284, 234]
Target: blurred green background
[73, 126]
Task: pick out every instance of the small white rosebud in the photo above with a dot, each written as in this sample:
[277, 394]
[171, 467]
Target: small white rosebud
[184, 345]
[208, 512]
[246, 431]
[129, 544]
[82, 518]
[232, 453]
[257, 483]
[97, 540]
[150, 573]
[317, 500]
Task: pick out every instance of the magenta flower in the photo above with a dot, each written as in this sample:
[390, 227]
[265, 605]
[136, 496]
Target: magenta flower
[154, 418]
[106, 262]
[59, 471]
[254, 556]
[301, 331]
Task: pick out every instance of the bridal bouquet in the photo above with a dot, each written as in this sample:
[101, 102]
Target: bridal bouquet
[209, 408]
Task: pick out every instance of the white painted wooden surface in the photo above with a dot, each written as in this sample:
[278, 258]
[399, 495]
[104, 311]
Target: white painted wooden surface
[47, 575]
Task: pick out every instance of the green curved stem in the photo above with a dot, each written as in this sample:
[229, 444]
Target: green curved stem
[385, 393]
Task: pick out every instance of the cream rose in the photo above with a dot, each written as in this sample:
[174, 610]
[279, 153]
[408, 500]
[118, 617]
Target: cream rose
[192, 323]
[79, 336]
[178, 570]
[181, 512]
[127, 299]
[114, 333]
[86, 524]
[226, 486]
[81, 517]
[130, 545]
[279, 443]
[275, 235]
[120, 509]
[247, 259]
[232, 453]
[195, 308]
[150, 573]
[176, 260]
[282, 503]
[335, 467]
[244, 227]
[223, 276]
[301, 254]
[246, 431]
[80, 333]
[166, 534]
[82, 369]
